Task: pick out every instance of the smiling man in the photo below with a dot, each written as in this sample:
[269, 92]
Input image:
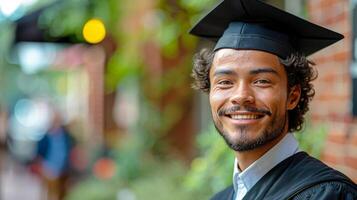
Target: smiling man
[259, 84]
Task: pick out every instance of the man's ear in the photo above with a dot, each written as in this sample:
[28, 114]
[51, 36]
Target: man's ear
[294, 97]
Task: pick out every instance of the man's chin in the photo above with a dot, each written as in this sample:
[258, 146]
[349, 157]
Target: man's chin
[245, 139]
[241, 142]
[243, 145]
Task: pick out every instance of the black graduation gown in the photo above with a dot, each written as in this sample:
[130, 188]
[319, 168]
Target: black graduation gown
[298, 177]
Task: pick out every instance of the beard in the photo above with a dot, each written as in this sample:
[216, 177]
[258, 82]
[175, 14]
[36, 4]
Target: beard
[274, 129]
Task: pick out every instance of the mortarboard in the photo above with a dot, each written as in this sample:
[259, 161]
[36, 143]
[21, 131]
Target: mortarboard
[253, 24]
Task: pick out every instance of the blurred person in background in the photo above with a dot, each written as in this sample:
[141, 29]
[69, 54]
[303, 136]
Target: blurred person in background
[52, 162]
[259, 85]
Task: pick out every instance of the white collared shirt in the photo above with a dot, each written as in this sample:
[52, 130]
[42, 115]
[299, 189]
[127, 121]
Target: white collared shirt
[245, 180]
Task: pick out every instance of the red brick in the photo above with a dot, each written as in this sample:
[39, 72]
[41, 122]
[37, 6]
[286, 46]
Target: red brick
[353, 176]
[331, 104]
[348, 118]
[337, 13]
[338, 117]
[339, 101]
[316, 117]
[351, 150]
[329, 78]
[312, 5]
[348, 36]
[338, 138]
[323, 97]
[341, 56]
[348, 171]
[353, 139]
[346, 77]
[320, 60]
[319, 107]
[330, 159]
[351, 162]
[345, 29]
[328, 12]
[324, 4]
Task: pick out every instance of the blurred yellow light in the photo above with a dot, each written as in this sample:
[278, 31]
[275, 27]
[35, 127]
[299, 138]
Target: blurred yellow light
[94, 31]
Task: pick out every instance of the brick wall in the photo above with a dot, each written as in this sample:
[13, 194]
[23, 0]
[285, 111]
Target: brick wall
[331, 105]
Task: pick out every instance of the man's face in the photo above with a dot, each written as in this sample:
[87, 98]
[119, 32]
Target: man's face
[249, 97]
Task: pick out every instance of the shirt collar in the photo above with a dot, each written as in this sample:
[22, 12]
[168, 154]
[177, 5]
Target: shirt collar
[285, 148]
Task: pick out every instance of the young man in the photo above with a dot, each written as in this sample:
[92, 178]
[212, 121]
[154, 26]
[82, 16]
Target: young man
[259, 85]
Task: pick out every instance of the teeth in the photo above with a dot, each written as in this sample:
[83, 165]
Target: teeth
[244, 117]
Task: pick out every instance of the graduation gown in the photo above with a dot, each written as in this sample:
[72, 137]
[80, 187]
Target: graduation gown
[298, 177]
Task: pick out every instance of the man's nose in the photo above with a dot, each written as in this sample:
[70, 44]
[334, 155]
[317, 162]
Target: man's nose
[243, 94]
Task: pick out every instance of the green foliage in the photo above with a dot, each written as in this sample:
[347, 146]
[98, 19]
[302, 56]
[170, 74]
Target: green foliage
[161, 181]
[312, 139]
[120, 67]
[165, 182]
[212, 170]
[195, 8]
[141, 169]
[6, 76]
[93, 189]
[67, 18]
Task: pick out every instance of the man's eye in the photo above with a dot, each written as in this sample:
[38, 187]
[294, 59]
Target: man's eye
[262, 81]
[224, 82]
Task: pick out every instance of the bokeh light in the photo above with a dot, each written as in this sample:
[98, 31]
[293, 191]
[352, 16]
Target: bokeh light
[14, 9]
[94, 31]
[104, 168]
[31, 120]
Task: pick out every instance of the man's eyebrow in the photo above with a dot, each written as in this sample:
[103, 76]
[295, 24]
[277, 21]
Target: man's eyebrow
[220, 72]
[263, 70]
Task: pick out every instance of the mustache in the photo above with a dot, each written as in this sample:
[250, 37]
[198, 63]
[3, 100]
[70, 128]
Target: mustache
[224, 111]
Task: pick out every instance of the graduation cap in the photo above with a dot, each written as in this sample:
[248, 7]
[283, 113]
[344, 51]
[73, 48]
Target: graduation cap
[253, 24]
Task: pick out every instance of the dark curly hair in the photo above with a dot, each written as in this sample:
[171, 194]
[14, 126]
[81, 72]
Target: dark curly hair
[299, 71]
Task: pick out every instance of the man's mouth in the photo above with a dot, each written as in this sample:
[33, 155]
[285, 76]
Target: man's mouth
[248, 113]
[245, 116]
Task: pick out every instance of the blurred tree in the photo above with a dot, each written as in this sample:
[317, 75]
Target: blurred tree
[151, 45]
[5, 80]
[312, 138]
[212, 169]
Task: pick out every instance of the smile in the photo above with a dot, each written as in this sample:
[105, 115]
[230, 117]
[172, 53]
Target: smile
[244, 116]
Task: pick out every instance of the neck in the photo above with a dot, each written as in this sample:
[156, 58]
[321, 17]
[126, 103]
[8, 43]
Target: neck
[246, 158]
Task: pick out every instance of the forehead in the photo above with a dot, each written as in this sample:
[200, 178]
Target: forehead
[245, 58]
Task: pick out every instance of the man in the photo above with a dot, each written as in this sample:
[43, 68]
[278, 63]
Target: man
[259, 85]
[52, 162]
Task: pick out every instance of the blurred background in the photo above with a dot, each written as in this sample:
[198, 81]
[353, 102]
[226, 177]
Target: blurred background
[96, 103]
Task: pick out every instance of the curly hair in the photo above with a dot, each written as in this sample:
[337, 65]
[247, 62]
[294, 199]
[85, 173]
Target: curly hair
[299, 71]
